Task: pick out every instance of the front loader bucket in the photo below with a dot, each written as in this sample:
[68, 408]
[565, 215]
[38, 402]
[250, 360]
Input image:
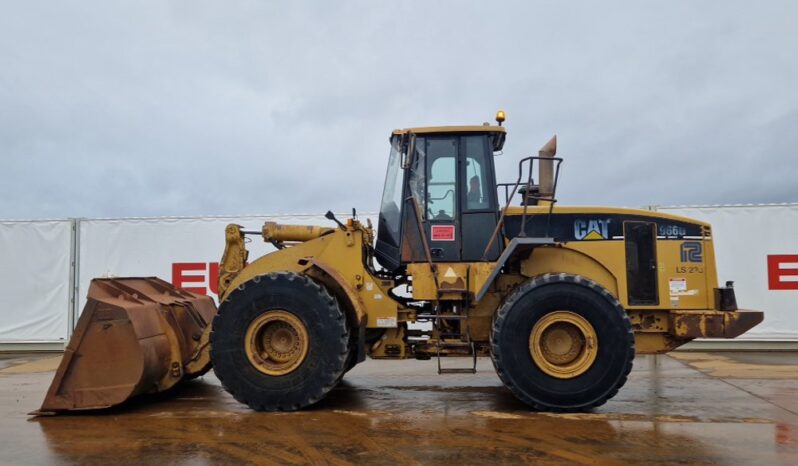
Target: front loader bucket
[135, 336]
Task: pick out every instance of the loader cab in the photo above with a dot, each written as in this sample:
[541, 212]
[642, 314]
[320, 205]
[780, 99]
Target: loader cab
[439, 199]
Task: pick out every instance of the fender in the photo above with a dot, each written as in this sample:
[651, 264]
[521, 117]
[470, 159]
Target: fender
[360, 317]
[523, 245]
[572, 261]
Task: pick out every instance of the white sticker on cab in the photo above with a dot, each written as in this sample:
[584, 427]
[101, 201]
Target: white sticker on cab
[677, 285]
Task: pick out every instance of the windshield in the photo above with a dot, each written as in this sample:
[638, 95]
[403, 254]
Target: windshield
[392, 197]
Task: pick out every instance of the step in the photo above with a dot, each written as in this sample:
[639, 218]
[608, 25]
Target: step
[458, 370]
[442, 316]
[453, 344]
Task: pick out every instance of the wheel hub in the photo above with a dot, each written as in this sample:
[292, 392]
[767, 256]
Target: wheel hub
[563, 344]
[276, 342]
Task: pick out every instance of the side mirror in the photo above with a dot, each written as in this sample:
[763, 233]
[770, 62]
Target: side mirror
[331, 216]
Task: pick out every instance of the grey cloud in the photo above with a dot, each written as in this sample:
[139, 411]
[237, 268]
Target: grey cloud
[190, 108]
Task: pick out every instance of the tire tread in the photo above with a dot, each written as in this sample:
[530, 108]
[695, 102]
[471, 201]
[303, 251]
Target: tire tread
[332, 310]
[535, 283]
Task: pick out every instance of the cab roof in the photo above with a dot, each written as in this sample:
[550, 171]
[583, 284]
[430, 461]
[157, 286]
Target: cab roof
[451, 129]
[497, 133]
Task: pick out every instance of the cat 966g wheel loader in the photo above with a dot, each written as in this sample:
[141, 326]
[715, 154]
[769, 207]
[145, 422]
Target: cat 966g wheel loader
[561, 298]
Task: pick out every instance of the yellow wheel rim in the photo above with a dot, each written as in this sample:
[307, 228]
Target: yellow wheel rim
[276, 342]
[563, 344]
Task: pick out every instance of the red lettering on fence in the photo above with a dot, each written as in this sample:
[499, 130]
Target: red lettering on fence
[213, 277]
[779, 267]
[187, 273]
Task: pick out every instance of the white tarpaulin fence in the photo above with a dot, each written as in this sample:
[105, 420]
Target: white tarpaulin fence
[182, 251]
[36, 287]
[35, 280]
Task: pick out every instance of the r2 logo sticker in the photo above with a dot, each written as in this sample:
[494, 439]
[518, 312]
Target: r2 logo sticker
[691, 251]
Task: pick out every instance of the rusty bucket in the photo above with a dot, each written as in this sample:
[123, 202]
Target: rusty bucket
[135, 336]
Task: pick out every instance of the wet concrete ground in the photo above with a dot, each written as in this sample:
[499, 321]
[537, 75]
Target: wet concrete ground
[688, 408]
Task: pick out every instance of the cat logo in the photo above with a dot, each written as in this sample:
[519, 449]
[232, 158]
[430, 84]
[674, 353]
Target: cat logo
[592, 229]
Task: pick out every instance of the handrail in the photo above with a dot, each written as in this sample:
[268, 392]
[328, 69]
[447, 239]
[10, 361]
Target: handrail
[424, 243]
[527, 197]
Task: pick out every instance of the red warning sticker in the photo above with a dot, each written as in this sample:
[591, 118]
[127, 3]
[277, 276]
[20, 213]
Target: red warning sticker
[442, 233]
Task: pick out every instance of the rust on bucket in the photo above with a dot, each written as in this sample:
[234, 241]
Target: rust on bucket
[135, 336]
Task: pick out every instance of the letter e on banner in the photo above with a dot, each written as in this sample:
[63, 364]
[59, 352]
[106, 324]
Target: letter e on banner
[213, 277]
[783, 272]
[196, 273]
[180, 277]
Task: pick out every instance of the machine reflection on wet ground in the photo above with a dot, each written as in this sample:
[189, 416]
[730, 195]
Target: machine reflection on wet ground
[696, 408]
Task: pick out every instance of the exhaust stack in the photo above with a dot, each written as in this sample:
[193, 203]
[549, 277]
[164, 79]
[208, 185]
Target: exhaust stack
[546, 168]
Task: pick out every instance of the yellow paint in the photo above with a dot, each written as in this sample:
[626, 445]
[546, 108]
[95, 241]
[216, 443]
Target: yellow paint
[342, 251]
[605, 262]
[451, 129]
[560, 209]
[701, 277]
[470, 276]
[335, 257]
[423, 281]
[273, 231]
[234, 258]
[276, 342]
[202, 356]
[594, 235]
[392, 345]
[563, 344]
[656, 343]
[573, 259]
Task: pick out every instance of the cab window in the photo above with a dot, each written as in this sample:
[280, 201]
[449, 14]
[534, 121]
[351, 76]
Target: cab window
[478, 192]
[392, 196]
[442, 176]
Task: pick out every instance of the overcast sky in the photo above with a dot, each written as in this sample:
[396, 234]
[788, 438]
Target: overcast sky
[253, 107]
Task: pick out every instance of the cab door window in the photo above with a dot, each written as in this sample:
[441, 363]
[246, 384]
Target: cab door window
[441, 179]
[477, 178]
[479, 213]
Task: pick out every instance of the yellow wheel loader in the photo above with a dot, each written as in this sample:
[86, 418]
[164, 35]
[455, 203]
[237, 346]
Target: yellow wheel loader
[561, 298]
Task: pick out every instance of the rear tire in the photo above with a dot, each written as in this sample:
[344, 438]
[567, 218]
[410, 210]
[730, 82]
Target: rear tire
[596, 373]
[308, 343]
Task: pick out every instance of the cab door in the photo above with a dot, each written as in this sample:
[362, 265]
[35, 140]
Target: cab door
[442, 223]
[479, 210]
[452, 185]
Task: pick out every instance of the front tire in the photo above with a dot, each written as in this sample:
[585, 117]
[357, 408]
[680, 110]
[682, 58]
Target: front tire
[562, 343]
[279, 342]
